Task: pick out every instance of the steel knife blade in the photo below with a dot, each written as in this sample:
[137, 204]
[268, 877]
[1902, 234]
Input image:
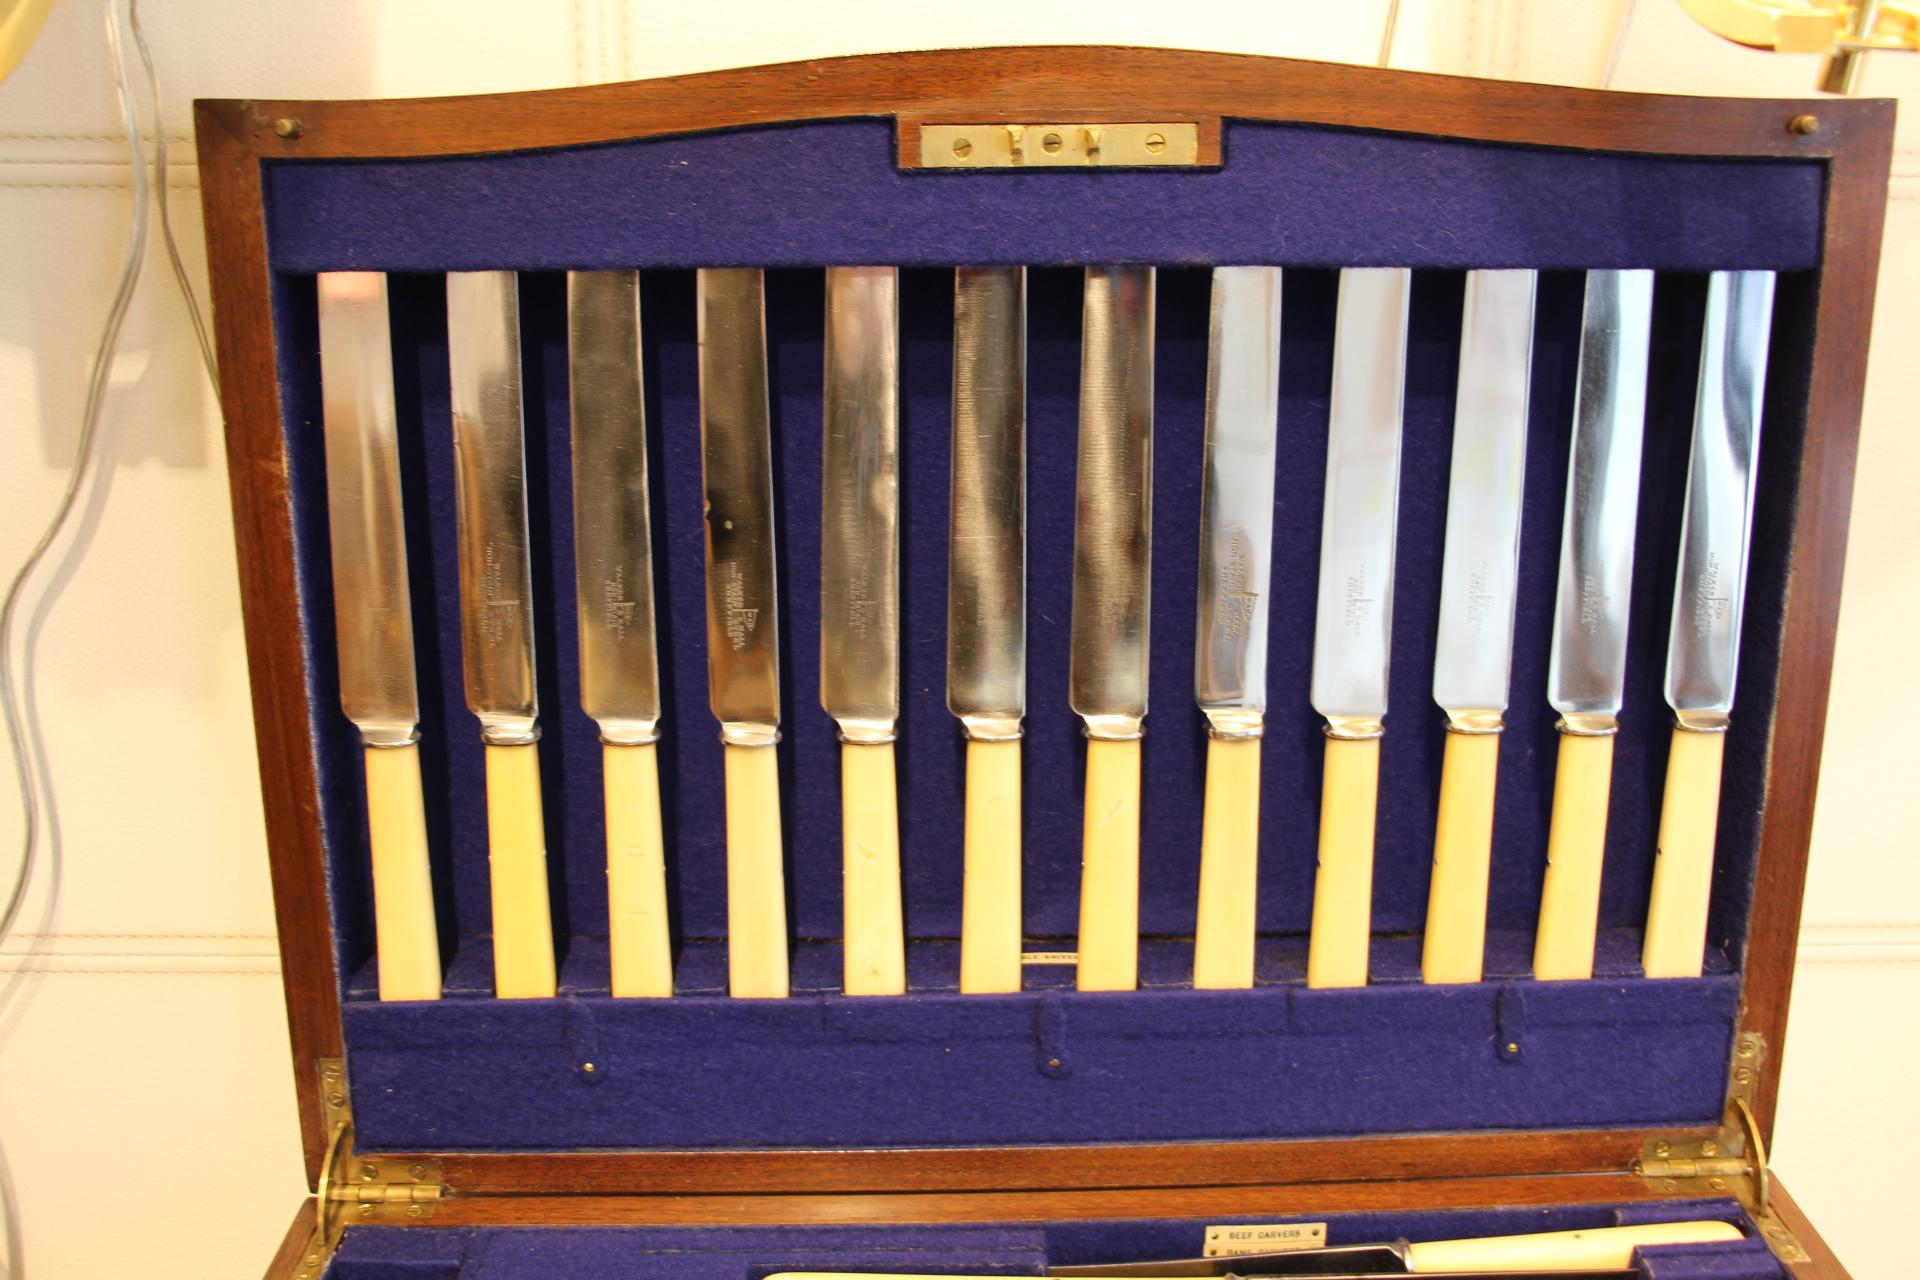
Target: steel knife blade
[1354, 612]
[1236, 499]
[860, 502]
[1481, 560]
[1717, 526]
[1587, 667]
[496, 581]
[987, 558]
[612, 536]
[1113, 526]
[373, 617]
[743, 664]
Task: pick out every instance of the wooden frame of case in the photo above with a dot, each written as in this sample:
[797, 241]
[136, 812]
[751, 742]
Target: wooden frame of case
[1853, 140]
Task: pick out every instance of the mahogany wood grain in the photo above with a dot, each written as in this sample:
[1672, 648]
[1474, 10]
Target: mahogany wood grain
[286, 1259]
[1036, 84]
[1310, 1163]
[1822, 1263]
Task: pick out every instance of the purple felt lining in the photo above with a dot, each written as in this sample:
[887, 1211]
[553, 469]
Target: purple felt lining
[1420, 202]
[751, 1253]
[1287, 193]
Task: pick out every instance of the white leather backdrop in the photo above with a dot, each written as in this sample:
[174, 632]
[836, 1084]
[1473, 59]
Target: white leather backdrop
[143, 1053]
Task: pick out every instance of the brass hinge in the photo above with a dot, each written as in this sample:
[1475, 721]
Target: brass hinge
[358, 1188]
[1732, 1162]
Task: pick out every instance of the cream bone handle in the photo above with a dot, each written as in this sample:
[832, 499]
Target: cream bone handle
[642, 951]
[1683, 867]
[405, 933]
[876, 954]
[1593, 1249]
[1456, 937]
[990, 929]
[1343, 888]
[1596, 1249]
[1110, 868]
[523, 962]
[756, 878]
[1576, 852]
[1225, 924]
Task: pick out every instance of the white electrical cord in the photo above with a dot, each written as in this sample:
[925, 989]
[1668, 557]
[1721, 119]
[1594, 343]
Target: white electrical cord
[22, 736]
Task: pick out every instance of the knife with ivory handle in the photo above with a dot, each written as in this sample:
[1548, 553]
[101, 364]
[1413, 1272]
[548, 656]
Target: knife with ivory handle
[1107, 672]
[1593, 1251]
[743, 661]
[860, 612]
[1230, 654]
[1477, 589]
[496, 617]
[1354, 614]
[1587, 668]
[1708, 599]
[987, 609]
[373, 621]
[613, 583]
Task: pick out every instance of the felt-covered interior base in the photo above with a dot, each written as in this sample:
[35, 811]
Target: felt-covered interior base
[1009, 1249]
[1308, 199]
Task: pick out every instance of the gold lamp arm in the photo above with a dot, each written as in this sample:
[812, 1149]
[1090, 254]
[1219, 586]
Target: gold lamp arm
[20, 23]
[1844, 30]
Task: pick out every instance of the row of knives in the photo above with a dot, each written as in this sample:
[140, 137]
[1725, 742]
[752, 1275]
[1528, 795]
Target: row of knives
[986, 689]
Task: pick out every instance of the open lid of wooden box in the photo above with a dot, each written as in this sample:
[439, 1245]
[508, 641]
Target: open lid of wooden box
[1165, 1101]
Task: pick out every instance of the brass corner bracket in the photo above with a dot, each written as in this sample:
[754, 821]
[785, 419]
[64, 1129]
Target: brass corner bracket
[357, 1188]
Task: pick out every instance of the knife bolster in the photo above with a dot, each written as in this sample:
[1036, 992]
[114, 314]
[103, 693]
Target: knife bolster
[1225, 927]
[1455, 946]
[875, 943]
[1343, 887]
[990, 920]
[642, 952]
[1576, 852]
[523, 960]
[1110, 868]
[406, 936]
[756, 873]
[1683, 861]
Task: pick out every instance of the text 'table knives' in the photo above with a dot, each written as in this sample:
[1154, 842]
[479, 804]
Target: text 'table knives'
[1230, 657]
[1709, 598]
[373, 621]
[496, 616]
[613, 581]
[1478, 585]
[1107, 674]
[743, 664]
[1354, 614]
[1587, 668]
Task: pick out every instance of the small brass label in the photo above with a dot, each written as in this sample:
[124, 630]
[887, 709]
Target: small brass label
[1050, 957]
[1059, 146]
[1234, 1239]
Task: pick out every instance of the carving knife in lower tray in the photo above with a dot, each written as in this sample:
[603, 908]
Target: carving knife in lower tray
[1591, 1254]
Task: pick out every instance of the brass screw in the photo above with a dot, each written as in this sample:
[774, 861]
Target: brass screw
[1513, 1046]
[1718, 1184]
[1709, 1148]
[1051, 143]
[1669, 1185]
[1156, 144]
[336, 1099]
[417, 1172]
[368, 1172]
[1744, 1075]
[287, 127]
[1804, 125]
[416, 1211]
[366, 1211]
[1662, 1147]
[962, 147]
[1053, 1062]
[588, 1067]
